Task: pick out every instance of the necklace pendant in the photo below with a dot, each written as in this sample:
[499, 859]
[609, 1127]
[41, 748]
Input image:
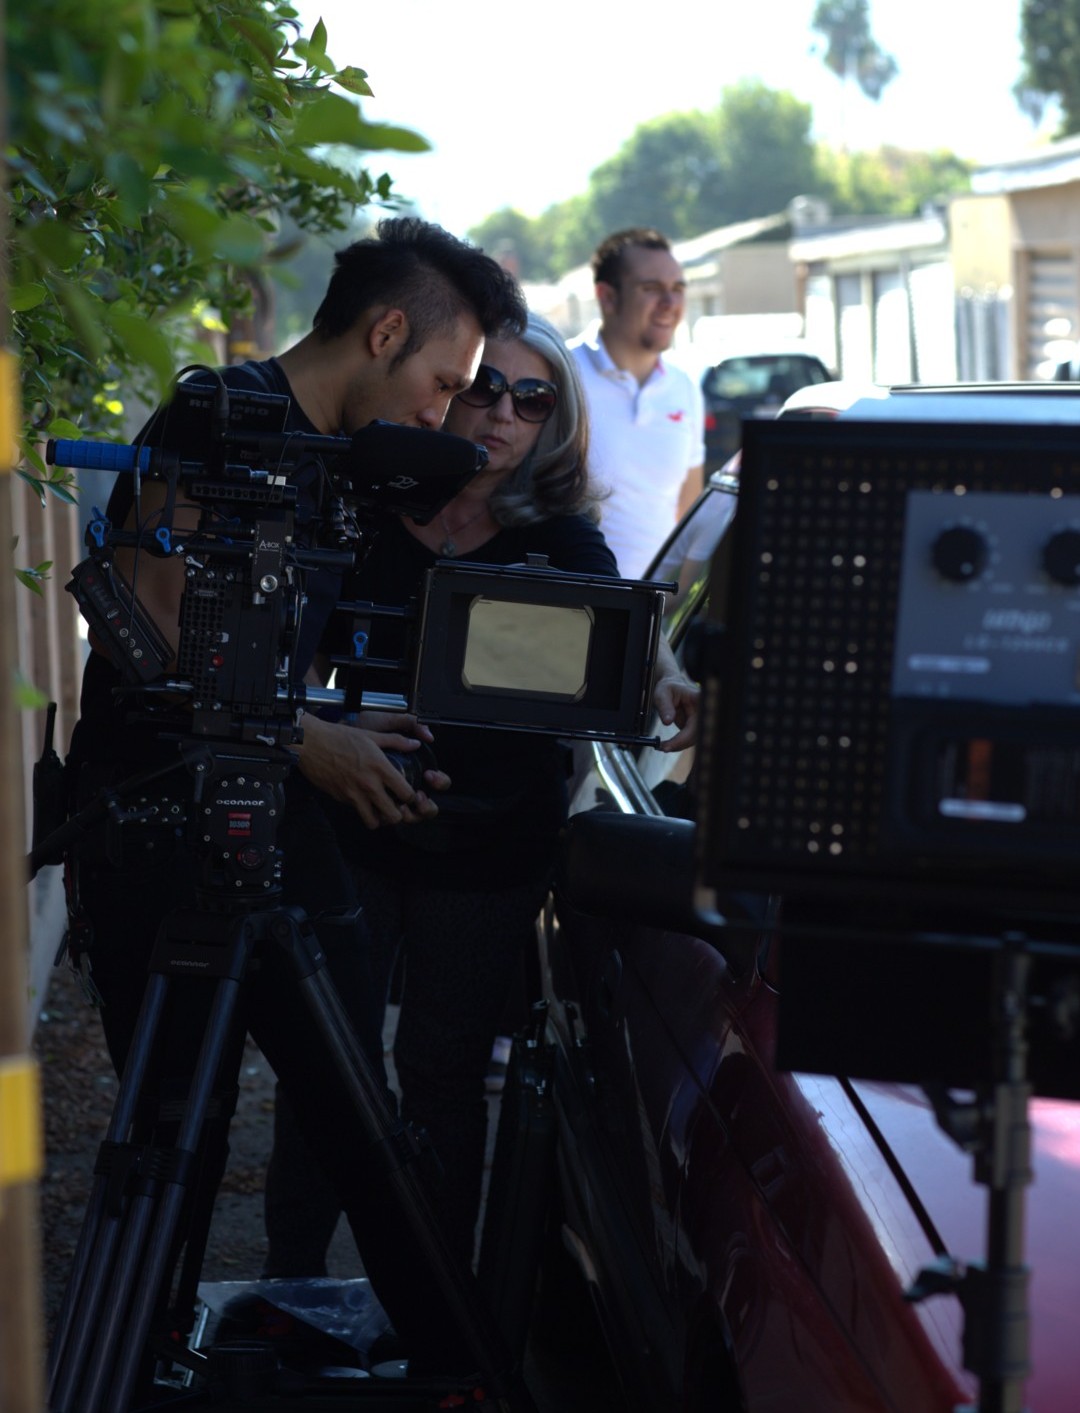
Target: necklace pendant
[448, 549]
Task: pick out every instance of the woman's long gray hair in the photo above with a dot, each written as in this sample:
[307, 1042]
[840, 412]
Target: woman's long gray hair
[554, 478]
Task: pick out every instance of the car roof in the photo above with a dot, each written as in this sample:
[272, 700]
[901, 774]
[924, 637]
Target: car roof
[938, 402]
[773, 348]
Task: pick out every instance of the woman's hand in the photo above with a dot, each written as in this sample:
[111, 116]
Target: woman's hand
[676, 700]
[350, 764]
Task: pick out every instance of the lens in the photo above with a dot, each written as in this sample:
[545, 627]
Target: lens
[487, 387]
[534, 400]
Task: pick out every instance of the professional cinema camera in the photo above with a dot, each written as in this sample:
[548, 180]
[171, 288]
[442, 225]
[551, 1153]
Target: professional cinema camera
[258, 519]
[522, 646]
[890, 747]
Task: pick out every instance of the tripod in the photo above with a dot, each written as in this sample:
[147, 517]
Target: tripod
[145, 1191]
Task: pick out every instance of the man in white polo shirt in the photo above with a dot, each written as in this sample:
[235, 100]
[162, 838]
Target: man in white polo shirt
[646, 416]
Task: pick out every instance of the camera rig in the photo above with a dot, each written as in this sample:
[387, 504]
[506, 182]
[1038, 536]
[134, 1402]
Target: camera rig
[229, 513]
[523, 647]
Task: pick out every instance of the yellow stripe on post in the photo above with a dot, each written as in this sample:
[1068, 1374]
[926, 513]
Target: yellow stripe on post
[9, 393]
[21, 1151]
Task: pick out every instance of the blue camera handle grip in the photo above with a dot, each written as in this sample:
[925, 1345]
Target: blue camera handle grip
[96, 456]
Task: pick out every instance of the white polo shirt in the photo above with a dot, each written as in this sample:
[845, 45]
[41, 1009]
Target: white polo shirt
[643, 439]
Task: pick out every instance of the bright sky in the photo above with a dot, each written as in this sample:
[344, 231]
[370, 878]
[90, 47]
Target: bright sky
[522, 100]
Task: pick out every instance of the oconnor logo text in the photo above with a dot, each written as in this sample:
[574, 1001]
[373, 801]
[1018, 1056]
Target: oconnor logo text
[1016, 620]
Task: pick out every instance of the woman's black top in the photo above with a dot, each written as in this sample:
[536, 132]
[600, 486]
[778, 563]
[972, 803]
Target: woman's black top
[498, 823]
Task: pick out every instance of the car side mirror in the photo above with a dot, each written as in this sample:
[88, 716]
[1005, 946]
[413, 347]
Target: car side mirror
[640, 869]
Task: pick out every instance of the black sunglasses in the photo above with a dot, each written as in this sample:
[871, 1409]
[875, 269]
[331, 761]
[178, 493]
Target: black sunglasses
[534, 399]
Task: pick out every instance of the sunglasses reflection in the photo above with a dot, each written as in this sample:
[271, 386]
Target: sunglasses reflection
[533, 399]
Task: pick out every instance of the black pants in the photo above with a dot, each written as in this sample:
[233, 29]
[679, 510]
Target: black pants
[126, 907]
[462, 949]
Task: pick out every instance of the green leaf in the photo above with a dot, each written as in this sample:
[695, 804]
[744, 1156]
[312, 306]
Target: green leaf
[28, 173]
[24, 297]
[63, 427]
[64, 488]
[131, 182]
[328, 118]
[141, 341]
[24, 694]
[55, 243]
[239, 240]
[354, 80]
[192, 219]
[30, 453]
[80, 178]
[375, 137]
[36, 484]
[84, 312]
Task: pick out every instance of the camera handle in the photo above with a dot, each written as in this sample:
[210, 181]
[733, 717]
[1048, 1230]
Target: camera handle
[995, 1128]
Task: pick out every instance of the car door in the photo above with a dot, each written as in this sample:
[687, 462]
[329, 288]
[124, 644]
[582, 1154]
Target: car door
[634, 1092]
[699, 1185]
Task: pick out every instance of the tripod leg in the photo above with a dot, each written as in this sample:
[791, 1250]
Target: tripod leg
[129, 1256]
[214, 1157]
[100, 1230]
[451, 1289]
[172, 1192]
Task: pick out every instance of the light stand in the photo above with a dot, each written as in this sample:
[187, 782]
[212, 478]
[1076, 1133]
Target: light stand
[996, 1130]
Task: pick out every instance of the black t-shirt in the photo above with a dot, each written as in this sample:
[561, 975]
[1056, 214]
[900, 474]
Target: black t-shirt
[498, 822]
[105, 731]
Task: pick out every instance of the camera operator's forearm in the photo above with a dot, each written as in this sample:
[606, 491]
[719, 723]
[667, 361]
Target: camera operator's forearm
[350, 765]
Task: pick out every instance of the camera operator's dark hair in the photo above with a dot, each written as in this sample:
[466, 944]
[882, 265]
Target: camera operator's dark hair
[610, 255]
[423, 270]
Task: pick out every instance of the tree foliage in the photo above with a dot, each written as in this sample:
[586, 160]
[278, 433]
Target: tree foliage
[889, 181]
[156, 148]
[665, 175]
[512, 238]
[851, 51]
[1050, 60]
[684, 172]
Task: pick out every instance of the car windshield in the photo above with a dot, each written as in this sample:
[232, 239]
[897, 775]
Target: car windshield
[763, 377]
[686, 557]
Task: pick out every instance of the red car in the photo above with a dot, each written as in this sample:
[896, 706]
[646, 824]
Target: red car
[748, 1235]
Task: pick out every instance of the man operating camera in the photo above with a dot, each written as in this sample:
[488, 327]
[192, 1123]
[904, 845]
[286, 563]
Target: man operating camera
[397, 335]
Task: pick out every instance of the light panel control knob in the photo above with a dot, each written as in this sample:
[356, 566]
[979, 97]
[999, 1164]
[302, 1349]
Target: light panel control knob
[960, 553]
[1061, 558]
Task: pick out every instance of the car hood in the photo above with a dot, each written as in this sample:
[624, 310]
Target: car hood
[942, 1178]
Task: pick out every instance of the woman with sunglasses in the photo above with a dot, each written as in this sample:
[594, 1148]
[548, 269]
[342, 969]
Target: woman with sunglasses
[457, 896]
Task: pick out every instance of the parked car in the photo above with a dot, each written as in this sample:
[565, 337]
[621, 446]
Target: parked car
[747, 1235]
[743, 385]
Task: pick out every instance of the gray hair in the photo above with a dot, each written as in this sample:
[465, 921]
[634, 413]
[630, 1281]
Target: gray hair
[554, 478]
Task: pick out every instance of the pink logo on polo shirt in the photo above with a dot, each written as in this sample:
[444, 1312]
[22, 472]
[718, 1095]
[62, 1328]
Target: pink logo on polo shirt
[676, 416]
